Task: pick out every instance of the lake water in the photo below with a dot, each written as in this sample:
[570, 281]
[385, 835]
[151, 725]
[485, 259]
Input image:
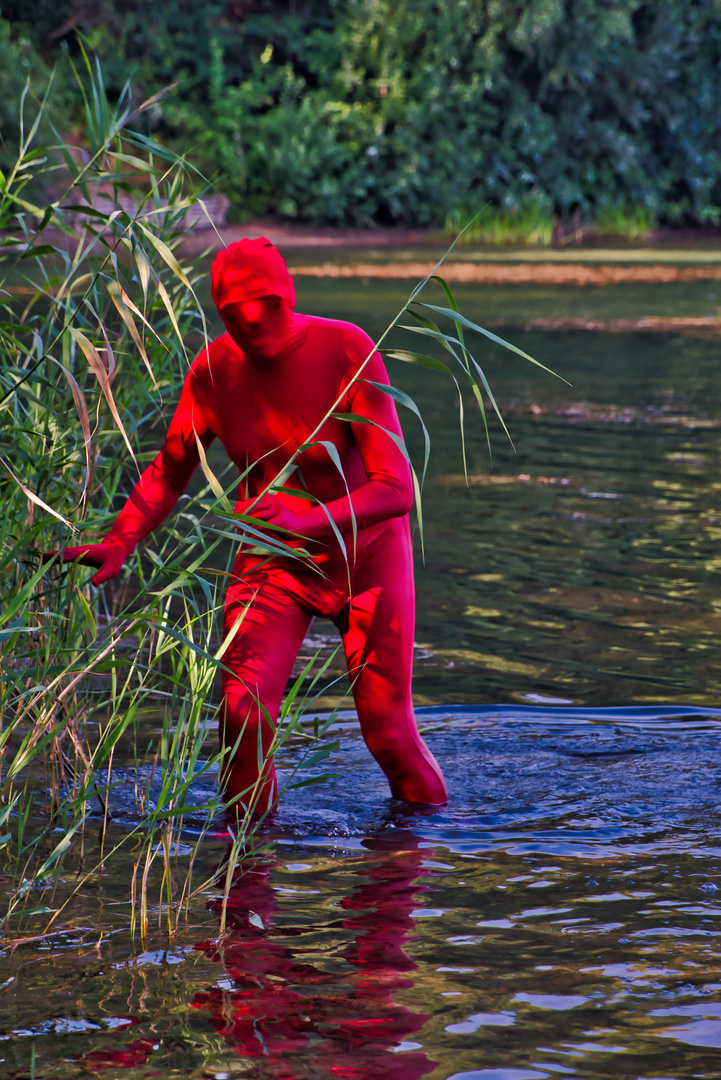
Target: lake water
[561, 916]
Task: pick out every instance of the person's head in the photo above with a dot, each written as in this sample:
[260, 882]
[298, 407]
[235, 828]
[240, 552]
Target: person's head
[254, 294]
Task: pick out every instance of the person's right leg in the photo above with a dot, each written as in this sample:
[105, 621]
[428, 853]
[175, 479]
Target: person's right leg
[270, 631]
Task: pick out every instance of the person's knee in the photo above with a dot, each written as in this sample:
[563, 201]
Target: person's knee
[383, 697]
[238, 701]
[390, 739]
[242, 714]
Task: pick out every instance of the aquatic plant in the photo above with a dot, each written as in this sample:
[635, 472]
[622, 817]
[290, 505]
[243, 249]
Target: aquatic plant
[99, 318]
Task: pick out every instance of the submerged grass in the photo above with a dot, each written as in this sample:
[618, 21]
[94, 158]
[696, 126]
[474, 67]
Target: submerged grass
[98, 321]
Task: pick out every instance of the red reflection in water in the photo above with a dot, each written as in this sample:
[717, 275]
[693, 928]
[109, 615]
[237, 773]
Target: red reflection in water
[123, 1057]
[282, 1004]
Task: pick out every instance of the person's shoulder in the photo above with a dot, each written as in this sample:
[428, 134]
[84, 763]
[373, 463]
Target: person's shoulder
[210, 358]
[350, 337]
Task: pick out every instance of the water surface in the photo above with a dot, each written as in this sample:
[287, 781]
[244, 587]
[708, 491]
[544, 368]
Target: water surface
[584, 566]
[561, 916]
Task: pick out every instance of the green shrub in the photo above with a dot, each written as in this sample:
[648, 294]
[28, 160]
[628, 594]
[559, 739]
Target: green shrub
[369, 111]
[18, 64]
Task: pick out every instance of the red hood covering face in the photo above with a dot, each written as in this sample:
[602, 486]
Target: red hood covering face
[249, 269]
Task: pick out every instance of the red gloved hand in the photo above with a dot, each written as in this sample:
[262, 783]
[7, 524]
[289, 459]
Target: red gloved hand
[271, 509]
[108, 556]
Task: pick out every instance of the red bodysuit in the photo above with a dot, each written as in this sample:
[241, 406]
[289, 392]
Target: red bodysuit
[263, 389]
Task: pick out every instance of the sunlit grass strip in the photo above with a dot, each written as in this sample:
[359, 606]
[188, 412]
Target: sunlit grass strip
[584, 267]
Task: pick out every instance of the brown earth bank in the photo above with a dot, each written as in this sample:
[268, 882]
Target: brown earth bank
[288, 236]
[400, 254]
[480, 273]
[487, 268]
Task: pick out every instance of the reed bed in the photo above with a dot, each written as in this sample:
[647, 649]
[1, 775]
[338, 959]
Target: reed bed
[99, 319]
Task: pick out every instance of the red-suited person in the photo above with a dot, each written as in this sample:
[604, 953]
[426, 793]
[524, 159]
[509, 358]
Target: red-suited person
[274, 382]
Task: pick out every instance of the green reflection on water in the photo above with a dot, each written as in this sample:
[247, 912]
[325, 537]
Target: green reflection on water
[339, 963]
[584, 566]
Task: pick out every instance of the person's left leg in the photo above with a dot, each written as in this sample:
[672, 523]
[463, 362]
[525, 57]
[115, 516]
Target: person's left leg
[378, 641]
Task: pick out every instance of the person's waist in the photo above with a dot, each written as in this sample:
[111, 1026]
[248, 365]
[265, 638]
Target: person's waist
[331, 555]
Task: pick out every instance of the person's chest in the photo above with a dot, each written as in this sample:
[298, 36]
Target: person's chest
[263, 412]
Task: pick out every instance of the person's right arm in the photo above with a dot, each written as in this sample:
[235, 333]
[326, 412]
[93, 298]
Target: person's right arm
[156, 492]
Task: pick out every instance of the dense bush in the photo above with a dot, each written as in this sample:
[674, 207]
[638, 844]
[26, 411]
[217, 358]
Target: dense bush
[375, 111]
[18, 63]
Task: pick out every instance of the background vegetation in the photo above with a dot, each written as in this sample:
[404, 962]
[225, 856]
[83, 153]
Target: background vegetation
[363, 112]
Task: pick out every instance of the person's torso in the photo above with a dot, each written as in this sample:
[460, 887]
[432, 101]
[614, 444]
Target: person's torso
[263, 411]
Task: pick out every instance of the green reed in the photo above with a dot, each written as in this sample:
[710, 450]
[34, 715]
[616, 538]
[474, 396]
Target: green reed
[99, 319]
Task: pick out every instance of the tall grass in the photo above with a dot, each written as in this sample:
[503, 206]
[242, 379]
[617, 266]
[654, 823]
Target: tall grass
[530, 224]
[625, 222]
[98, 321]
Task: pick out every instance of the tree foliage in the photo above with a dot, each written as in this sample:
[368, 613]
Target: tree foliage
[375, 111]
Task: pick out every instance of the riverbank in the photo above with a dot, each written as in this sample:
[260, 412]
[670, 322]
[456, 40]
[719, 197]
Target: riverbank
[663, 244]
[517, 273]
[672, 255]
